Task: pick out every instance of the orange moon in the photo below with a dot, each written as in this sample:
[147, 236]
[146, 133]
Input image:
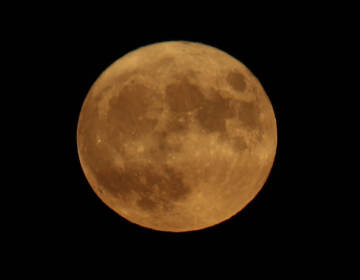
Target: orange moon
[177, 136]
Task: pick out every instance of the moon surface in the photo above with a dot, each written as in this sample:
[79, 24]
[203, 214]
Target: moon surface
[176, 136]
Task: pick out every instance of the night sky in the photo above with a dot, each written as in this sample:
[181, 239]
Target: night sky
[67, 216]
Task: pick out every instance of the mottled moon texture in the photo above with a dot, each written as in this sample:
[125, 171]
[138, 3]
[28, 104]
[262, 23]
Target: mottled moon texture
[176, 136]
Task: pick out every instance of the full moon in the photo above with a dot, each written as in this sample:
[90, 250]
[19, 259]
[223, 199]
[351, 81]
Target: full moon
[177, 136]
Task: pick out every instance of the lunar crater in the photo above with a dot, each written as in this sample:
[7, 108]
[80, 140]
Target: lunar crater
[155, 189]
[236, 81]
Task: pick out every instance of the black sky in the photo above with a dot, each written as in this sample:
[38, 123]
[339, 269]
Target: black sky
[66, 59]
